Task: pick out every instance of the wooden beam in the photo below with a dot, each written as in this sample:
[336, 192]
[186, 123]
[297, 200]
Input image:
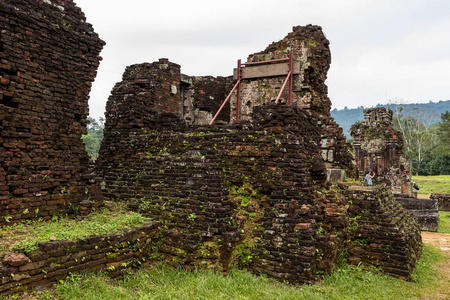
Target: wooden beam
[271, 70]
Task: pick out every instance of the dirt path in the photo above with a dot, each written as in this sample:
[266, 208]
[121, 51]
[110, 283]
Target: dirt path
[440, 240]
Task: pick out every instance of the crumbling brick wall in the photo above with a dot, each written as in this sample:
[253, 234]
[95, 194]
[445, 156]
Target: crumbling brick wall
[202, 98]
[251, 194]
[48, 58]
[312, 58]
[241, 194]
[379, 147]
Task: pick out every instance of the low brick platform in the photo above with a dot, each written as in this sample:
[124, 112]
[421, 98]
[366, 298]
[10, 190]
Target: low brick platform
[56, 260]
[425, 210]
[443, 201]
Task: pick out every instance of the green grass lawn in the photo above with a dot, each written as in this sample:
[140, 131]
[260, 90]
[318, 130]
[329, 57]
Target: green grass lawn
[433, 184]
[444, 222]
[347, 282]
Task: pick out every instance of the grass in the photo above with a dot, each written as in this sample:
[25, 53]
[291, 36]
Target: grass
[433, 184]
[347, 282]
[444, 222]
[23, 237]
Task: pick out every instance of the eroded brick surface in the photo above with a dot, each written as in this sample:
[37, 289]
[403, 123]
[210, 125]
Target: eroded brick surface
[48, 58]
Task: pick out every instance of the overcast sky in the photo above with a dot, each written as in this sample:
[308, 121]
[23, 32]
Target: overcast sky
[381, 49]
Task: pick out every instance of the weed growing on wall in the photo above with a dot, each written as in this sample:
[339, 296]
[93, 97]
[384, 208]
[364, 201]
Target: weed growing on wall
[246, 199]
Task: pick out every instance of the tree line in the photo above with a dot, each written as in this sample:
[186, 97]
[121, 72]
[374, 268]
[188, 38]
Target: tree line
[428, 145]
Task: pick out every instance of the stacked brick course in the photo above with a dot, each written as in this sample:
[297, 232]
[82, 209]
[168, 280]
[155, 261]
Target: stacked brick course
[55, 261]
[227, 190]
[381, 232]
[48, 58]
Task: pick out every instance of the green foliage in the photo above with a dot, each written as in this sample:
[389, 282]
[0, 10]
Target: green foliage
[439, 166]
[94, 137]
[419, 136]
[444, 132]
[347, 282]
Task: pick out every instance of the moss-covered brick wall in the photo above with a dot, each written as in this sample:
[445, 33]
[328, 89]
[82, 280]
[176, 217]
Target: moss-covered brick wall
[381, 232]
[240, 194]
[48, 58]
[251, 193]
[56, 260]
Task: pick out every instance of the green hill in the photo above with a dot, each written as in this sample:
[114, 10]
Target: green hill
[347, 117]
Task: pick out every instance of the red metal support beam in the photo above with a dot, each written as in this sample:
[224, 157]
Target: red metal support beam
[291, 77]
[237, 86]
[284, 85]
[224, 102]
[238, 91]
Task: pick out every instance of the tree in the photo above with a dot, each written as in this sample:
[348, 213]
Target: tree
[440, 165]
[419, 136]
[94, 137]
[444, 133]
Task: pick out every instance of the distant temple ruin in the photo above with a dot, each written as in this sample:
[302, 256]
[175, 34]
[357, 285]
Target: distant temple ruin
[379, 148]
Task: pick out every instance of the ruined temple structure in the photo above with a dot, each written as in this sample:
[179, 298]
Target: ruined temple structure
[254, 191]
[258, 191]
[49, 56]
[379, 148]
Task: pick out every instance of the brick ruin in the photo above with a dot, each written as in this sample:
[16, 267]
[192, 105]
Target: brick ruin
[49, 56]
[253, 193]
[379, 148]
[260, 193]
[312, 58]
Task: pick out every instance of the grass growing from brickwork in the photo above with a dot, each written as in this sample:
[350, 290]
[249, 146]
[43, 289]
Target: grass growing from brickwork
[433, 184]
[347, 282]
[23, 237]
